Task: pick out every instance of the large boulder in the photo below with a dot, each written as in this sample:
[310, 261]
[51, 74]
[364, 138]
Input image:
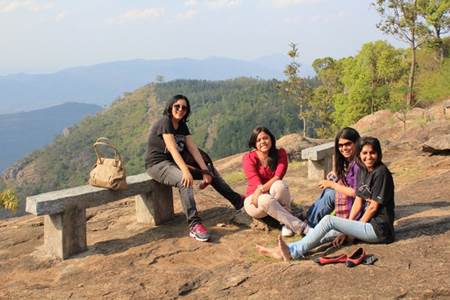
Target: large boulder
[294, 144]
[439, 144]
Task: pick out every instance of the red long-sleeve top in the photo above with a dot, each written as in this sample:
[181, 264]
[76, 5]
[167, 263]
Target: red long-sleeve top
[257, 174]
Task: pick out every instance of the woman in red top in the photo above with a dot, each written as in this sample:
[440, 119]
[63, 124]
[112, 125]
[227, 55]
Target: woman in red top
[267, 194]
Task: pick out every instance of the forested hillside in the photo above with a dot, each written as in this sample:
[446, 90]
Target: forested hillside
[224, 113]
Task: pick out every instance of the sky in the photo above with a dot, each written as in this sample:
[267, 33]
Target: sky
[41, 36]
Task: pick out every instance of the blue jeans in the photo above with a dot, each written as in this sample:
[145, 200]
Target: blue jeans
[327, 229]
[323, 206]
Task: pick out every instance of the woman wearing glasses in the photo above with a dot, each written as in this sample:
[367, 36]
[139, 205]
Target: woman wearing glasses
[338, 190]
[168, 138]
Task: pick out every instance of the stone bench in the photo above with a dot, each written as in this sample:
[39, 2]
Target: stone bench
[64, 211]
[320, 160]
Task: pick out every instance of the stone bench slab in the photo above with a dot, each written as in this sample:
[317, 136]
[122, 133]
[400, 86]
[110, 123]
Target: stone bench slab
[85, 196]
[318, 152]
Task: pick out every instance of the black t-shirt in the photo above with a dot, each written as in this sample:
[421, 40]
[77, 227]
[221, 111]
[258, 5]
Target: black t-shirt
[156, 148]
[378, 185]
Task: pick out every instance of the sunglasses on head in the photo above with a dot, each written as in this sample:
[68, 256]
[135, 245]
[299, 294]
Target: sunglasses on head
[180, 107]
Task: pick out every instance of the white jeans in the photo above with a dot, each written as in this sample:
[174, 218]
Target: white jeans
[277, 204]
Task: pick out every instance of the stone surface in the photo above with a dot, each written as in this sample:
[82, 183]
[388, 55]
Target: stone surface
[317, 170]
[84, 196]
[156, 206]
[318, 152]
[65, 233]
[437, 144]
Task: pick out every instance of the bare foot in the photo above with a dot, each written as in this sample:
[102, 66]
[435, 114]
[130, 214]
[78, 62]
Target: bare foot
[284, 249]
[270, 252]
[281, 252]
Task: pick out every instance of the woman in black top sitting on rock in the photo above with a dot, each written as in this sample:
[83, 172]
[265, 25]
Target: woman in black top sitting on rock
[168, 141]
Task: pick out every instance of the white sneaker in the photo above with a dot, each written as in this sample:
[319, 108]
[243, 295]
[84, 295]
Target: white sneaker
[286, 232]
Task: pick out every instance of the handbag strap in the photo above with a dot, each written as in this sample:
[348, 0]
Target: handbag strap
[105, 142]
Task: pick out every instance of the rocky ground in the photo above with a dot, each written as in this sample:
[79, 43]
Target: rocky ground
[126, 260]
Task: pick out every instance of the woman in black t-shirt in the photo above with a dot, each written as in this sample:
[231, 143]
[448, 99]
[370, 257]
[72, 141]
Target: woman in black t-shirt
[170, 137]
[375, 191]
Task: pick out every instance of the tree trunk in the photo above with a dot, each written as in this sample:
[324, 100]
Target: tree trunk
[305, 128]
[441, 47]
[412, 73]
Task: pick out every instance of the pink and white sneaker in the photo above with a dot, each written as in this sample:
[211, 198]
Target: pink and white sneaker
[199, 232]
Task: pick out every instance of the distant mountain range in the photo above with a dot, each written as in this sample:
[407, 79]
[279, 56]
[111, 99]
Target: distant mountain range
[102, 83]
[21, 133]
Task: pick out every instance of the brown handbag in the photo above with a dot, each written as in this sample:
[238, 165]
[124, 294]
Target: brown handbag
[108, 172]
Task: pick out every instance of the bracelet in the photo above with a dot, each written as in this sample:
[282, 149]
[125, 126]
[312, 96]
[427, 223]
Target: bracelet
[260, 188]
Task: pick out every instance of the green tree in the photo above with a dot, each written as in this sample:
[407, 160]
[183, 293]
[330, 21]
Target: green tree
[437, 17]
[402, 19]
[296, 88]
[322, 100]
[8, 200]
[367, 80]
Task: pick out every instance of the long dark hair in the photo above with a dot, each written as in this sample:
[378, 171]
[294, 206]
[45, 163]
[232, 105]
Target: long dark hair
[171, 102]
[273, 152]
[375, 143]
[340, 163]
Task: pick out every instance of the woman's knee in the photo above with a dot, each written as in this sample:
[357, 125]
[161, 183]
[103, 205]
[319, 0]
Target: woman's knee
[264, 201]
[279, 187]
[252, 210]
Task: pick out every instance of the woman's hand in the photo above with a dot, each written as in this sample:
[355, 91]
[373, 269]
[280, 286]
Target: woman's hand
[339, 240]
[323, 184]
[187, 180]
[256, 195]
[207, 178]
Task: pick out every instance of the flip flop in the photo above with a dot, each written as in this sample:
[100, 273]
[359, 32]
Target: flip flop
[369, 259]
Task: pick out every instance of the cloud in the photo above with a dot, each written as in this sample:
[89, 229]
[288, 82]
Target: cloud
[187, 15]
[60, 17]
[138, 15]
[284, 3]
[316, 19]
[222, 3]
[8, 6]
[191, 2]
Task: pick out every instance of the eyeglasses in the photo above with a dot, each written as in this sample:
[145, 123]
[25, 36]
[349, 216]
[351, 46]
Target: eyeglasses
[348, 144]
[180, 107]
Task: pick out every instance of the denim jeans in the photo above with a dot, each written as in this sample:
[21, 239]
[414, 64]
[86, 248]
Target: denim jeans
[327, 229]
[323, 206]
[167, 172]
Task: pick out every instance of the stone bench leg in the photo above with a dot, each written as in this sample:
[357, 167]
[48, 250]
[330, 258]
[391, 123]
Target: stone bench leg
[65, 233]
[155, 207]
[318, 169]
